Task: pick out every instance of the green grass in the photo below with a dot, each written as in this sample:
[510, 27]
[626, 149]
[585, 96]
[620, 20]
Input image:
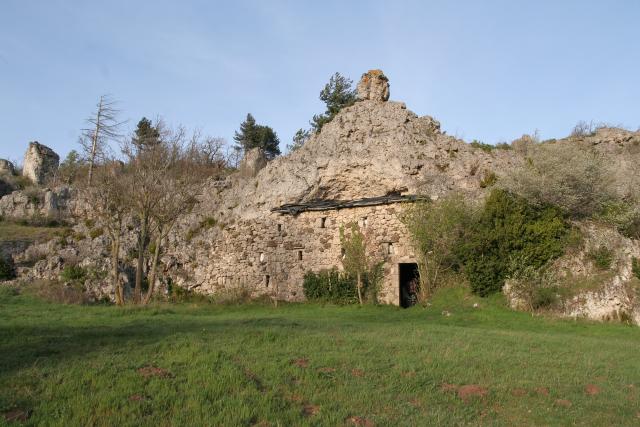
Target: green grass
[12, 231]
[235, 365]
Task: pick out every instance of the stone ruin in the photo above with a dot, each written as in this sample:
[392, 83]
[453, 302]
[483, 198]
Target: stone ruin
[7, 168]
[40, 163]
[277, 220]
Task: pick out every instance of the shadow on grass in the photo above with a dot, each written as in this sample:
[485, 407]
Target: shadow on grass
[23, 346]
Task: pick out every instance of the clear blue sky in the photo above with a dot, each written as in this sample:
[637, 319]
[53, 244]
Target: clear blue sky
[490, 70]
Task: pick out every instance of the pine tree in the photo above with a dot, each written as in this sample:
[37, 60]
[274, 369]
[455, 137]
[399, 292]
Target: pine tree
[337, 94]
[252, 135]
[146, 135]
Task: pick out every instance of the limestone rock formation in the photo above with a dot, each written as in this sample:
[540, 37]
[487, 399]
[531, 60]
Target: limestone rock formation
[373, 86]
[40, 163]
[6, 167]
[254, 160]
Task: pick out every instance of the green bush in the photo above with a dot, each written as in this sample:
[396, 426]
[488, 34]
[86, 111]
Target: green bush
[508, 227]
[96, 232]
[7, 272]
[545, 298]
[73, 273]
[489, 179]
[602, 257]
[331, 286]
[635, 267]
[487, 148]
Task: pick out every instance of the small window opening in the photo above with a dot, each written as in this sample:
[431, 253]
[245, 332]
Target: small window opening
[323, 222]
[390, 249]
[343, 253]
[299, 255]
[364, 222]
[279, 228]
[267, 280]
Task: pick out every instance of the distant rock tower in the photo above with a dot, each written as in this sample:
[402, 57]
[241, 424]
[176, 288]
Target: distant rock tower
[40, 163]
[373, 86]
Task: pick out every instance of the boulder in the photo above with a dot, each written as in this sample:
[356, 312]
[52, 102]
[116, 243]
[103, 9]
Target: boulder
[253, 161]
[40, 163]
[6, 167]
[373, 86]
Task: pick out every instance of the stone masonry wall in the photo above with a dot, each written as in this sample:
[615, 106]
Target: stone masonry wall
[284, 247]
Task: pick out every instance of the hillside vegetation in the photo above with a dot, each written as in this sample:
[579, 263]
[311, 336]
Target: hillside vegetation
[187, 364]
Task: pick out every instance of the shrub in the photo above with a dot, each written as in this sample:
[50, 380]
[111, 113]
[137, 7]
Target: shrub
[509, 227]
[635, 267]
[60, 293]
[601, 257]
[437, 229]
[7, 271]
[545, 297]
[504, 146]
[73, 273]
[208, 222]
[488, 179]
[330, 286]
[568, 175]
[487, 148]
[96, 232]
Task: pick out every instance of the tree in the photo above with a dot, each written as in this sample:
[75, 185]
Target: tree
[146, 135]
[437, 229]
[104, 126]
[252, 135]
[70, 167]
[569, 175]
[337, 94]
[357, 261]
[108, 201]
[299, 139]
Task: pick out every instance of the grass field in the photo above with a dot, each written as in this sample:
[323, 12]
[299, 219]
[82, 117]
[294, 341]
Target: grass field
[195, 365]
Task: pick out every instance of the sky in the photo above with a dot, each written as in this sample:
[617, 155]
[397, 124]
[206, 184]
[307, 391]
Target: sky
[487, 70]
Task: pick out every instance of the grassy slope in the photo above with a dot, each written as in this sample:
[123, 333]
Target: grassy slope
[74, 365]
[10, 231]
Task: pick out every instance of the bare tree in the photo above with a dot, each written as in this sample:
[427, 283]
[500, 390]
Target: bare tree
[103, 127]
[108, 205]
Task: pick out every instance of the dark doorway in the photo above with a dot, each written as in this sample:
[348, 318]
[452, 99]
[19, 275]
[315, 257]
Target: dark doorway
[409, 284]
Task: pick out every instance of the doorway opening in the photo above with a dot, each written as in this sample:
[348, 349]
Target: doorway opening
[409, 283]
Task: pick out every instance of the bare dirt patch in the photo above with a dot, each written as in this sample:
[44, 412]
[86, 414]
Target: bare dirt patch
[357, 373]
[17, 414]
[446, 387]
[469, 391]
[153, 371]
[542, 391]
[591, 389]
[563, 402]
[361, 422]
[301, 362]
[518, 392]
[310, 410]
[136, 397]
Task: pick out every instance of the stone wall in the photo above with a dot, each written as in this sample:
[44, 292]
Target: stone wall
[276, 251]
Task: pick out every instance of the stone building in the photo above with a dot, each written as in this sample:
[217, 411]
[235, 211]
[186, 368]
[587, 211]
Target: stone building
[280, 220]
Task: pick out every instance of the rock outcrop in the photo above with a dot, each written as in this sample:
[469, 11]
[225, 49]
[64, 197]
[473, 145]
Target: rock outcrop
[254, 160]
[40, 163]
[373, 86]
[7, 168]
